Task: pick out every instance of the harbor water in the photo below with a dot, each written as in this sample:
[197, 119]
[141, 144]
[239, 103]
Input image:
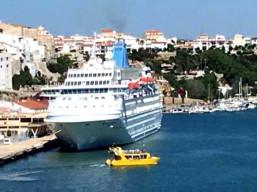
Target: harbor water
[199, 152]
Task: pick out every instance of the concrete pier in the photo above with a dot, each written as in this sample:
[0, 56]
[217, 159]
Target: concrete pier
[21, 149]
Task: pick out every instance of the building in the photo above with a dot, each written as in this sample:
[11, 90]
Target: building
[23, 118]
[5, 70]
[153, 35]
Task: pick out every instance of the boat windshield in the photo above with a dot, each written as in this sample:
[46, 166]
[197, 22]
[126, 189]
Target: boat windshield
[117, 157]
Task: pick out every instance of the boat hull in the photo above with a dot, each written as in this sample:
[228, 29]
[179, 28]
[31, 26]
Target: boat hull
[84, 135]
[91, 134]
[138, 162]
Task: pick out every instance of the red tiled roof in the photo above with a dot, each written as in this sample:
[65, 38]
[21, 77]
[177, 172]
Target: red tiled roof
[33, 104]
[153, 31]
[106, 31]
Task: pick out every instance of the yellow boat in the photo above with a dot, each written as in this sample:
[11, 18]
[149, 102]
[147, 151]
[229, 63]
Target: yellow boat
[130, 157]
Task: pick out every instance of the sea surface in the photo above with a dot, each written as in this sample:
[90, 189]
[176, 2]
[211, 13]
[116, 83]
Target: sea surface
[199, 152]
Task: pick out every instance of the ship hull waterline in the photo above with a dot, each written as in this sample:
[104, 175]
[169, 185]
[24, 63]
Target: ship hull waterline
[87, 135]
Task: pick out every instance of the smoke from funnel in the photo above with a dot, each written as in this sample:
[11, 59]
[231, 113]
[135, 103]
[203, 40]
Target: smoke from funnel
[116, 13]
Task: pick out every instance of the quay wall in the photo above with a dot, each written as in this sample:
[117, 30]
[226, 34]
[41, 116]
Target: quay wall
[10, 153]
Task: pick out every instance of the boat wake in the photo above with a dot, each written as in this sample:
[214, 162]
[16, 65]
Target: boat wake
[97, 165]
[20, 176]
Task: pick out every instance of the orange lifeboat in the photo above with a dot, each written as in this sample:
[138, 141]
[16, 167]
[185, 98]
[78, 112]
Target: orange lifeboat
[133, 85]
[147, 79]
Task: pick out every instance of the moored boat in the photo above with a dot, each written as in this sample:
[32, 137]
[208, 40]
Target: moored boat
[130, 157]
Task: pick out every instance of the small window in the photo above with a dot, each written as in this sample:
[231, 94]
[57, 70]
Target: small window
[108, 82]
[102, 74]
[90, 75]
[68, 83]
[104, 82]
[106, 74]
[82, 75]
[75, 83]
[98, 74]
[102, 97]
[71, 75]
[78, 75]
[71, 83]
[94, 75]
[79, 83]
[87, 83]
[92, 83]
[75, 75]
[97, 98]
[110, 74]
[7, 58]
[86, 75]
[96, 82]
[100, 82]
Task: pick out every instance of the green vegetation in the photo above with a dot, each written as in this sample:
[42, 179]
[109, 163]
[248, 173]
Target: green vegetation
[25, 78]
[62, 65]
[243, 65]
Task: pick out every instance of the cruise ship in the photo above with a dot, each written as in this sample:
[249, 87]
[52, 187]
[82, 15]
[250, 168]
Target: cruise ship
[105, 103]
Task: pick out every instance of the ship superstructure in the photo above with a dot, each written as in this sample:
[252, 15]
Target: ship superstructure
[104, 103]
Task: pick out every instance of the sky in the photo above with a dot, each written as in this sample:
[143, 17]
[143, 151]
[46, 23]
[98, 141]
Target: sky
[184, 19]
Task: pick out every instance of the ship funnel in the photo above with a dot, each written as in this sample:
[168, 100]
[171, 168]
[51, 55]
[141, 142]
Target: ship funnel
[120, 54]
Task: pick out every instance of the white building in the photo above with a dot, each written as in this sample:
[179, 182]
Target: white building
[5, 71]
[240, 40]
[204, 42]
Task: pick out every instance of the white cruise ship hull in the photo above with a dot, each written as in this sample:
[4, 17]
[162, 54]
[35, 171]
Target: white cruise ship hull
[85, 134]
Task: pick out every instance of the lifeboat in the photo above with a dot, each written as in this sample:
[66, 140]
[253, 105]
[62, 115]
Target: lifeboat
[130, 157]
[147, 79]
[133, 85]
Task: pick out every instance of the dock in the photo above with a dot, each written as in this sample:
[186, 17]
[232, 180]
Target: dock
[9, 153]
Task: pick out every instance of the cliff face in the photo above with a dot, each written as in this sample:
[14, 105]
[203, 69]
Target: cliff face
[14, 95]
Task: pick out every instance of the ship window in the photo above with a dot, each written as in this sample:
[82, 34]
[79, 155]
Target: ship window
[74, 75]
[94, 75]
[82, 75]
[105, 90]
[78, 75]
[106, 74]
[96, 90]
[108, 82]
[96, 97]
[110, 74]
[75, 83]
[104, 82]
[79, 91]
[99, 75]
[84, 99]
[87, 83]
[64, 99]
[86, 91]
[102, 97]
[91, 90]
[69, 91]
[92, 83]
[85, 106]
[100, 82]
[71, 83]
[68, 83]
[96, 82]
[79, 83]
[71, 75]
[86, 75]
[102, 74]
[90, 75]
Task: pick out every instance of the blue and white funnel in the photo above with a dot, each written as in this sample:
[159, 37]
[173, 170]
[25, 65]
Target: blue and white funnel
[120, 54]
